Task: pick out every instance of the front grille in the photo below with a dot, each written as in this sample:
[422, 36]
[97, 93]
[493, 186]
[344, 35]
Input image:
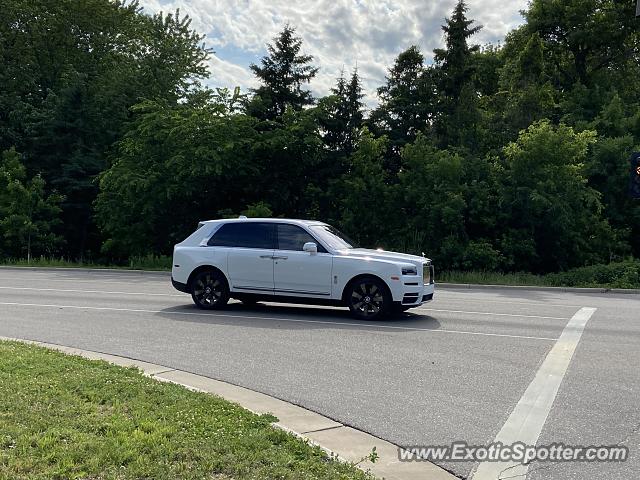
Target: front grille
[427, 273]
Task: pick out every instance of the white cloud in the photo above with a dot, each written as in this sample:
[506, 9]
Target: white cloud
[338, 33]
[229, 74]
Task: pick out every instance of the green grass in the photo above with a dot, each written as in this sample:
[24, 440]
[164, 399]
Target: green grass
[65, 417]
[147, 262]
[625, 274]
[492, 278]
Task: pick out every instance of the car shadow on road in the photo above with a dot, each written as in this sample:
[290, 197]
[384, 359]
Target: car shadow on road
[296, 317]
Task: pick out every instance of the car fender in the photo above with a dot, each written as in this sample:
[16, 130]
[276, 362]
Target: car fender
[187, 259]
[345, 268]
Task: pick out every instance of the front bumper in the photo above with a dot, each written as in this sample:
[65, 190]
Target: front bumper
[417, 295]
[416, 289]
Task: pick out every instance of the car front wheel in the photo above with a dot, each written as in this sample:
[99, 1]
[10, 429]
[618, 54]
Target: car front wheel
[368, 299]
[209, 290]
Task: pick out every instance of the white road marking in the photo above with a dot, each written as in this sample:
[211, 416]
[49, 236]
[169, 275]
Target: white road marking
[182, 295]
[94, 291]
[281, 319]
[464, 297]
[489, 313]
[530, 414]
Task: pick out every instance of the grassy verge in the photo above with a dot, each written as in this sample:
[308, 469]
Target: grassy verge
[65, 417]
[148, 262]
[624, 274]
[492, 278]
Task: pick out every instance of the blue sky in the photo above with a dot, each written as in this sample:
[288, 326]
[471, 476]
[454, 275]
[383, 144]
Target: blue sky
[338, 33]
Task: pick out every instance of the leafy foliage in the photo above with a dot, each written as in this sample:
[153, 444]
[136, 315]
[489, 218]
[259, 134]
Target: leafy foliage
[70, 72]
[546, 202]
[27, 214]
[511, 157]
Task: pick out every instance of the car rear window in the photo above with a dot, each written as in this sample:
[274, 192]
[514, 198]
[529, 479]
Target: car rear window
[246, 235]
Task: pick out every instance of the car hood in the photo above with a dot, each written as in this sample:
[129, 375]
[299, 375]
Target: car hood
[385, 255]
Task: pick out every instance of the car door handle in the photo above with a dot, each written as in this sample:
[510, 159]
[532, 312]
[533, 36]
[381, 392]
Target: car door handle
[266, 256]
[275, 257]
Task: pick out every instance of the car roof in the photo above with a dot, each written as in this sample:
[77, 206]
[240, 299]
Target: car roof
[293, 221]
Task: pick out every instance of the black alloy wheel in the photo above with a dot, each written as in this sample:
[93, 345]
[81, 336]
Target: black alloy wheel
[209, 290]
[368, 299]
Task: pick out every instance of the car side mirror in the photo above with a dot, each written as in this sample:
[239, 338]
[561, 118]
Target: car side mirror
[310, 247]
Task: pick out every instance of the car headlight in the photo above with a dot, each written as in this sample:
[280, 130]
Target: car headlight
[409, 271]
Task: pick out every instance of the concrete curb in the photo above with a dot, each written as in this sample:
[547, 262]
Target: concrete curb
[458, 286]
[345, 443]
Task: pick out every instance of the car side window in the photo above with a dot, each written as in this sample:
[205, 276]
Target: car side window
[246, 235]
[292, 237]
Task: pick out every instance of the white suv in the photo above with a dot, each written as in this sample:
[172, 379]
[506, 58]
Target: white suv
[296, 261]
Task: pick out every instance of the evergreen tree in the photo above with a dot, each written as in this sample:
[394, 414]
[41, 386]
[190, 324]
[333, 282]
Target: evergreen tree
[342, 115]
[530, 94]
[355, 110]
[458, 114]
[406, 104]
[282, 74]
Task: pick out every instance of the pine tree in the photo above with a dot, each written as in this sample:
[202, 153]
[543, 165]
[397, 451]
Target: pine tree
[406, 104]
[282, 73]
[355, 110]
[530, 93]
[342, 115]
[455, 72]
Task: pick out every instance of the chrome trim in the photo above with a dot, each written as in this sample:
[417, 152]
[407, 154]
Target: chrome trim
[259, 289]
[300, 291]
[427, 273]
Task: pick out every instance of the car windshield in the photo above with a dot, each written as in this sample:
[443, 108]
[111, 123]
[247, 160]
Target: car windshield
[333, 237]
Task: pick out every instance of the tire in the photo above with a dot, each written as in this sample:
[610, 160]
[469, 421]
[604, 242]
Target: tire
[209, 290]
[368, 299]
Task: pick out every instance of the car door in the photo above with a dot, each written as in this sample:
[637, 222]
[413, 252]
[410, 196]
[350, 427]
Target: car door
[250, 250]
[299, 273]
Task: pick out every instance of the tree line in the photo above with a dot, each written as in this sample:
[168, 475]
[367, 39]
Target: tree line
[510, 157]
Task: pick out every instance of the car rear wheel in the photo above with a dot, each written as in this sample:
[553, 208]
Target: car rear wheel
[368, 299]
[209, 290]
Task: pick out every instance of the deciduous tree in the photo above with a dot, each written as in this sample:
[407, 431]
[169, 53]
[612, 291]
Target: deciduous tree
[28, 216]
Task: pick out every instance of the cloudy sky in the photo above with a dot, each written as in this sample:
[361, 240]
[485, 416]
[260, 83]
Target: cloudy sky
[338, 33]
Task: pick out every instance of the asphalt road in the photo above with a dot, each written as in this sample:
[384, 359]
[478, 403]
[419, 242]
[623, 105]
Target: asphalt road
[453, 370]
